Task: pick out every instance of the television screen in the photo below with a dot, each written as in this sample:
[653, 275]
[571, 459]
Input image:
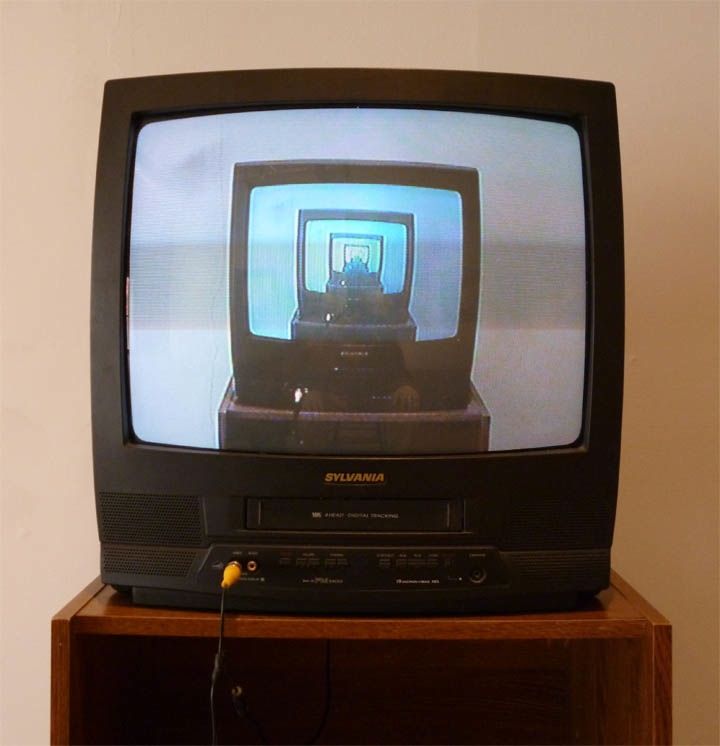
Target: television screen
[367, 277]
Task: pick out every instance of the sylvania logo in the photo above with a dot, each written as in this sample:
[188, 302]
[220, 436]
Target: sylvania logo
[355, 477]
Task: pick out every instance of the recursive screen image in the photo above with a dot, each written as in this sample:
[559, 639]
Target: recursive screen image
[369, 246]
[376, 263]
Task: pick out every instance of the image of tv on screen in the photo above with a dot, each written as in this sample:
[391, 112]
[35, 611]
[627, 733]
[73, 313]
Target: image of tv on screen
[298, 283]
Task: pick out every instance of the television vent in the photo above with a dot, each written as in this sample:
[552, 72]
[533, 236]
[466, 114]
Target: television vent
[168, 563]
[558, 571]
[556, 523]
[164, 520]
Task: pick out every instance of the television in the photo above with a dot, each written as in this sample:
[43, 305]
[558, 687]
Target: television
[360, 331]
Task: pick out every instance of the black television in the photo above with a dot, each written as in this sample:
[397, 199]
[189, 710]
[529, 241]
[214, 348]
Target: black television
[360, 331]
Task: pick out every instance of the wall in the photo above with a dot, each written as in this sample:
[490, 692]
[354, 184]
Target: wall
[663, 58]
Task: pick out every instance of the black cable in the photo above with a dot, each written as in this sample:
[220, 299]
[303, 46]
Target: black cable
[237, 693]
[241, 708]
[328, 698]
[217, 667]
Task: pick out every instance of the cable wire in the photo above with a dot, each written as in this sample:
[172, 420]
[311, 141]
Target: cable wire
[217, 667]
[241, 708]
[231, 575]
[328, 699]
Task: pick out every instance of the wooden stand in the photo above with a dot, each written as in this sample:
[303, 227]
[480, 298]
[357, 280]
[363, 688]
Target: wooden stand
[126, 674]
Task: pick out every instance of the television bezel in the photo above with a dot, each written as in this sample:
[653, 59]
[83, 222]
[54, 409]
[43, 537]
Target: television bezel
[586, 470]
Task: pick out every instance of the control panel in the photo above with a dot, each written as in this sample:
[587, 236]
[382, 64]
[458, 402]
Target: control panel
[361, 568]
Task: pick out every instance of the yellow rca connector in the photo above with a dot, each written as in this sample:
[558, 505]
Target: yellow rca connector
[231, 574]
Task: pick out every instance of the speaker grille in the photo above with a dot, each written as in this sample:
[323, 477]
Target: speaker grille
[169, 563]
[576, 570]
[168, 520]
[559, 522]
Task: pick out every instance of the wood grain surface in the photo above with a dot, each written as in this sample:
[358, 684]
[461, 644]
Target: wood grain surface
[129, 675]
[609, 615]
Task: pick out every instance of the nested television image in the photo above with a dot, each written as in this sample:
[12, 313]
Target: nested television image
[354, 275]
[361, 281]
[346, 289]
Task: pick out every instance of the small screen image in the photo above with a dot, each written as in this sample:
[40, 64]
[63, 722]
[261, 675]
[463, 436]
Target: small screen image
[353, 259]
[361, 281]
[338, 253]
[354, 256]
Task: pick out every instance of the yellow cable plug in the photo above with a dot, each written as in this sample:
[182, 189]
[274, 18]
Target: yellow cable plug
[231, 574]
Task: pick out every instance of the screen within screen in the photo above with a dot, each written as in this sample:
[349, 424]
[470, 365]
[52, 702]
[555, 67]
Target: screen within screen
[308, 231]
[353, 267]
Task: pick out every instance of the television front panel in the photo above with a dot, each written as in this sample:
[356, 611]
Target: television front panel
[364, 327]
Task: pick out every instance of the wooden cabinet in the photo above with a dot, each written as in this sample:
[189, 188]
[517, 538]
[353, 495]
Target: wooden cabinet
[126, 674]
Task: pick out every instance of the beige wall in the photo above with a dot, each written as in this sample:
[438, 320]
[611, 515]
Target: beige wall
[663, 58]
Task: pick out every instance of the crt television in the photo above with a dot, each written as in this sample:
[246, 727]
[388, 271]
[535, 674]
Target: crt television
[360, 331]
